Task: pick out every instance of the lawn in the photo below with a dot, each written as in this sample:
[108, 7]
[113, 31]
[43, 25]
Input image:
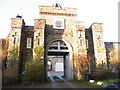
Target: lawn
[105, 82]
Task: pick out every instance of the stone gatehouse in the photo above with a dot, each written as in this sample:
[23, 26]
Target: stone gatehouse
[60, 34]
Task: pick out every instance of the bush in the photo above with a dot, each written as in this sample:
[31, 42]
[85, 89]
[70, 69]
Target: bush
[100, 74]
[39, 51]
[34, 72]
[12, 63]
[10, 76]
[104, 74]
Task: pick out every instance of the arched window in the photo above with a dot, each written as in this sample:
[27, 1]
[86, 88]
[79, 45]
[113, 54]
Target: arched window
[58, 45]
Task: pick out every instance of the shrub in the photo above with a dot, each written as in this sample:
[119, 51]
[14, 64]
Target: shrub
[12, 63]
[13, 57]
[34, 72]
[100, 74]
[39, 51]
[103, 74]
[10, 76]
[10, 73]
[14, 53]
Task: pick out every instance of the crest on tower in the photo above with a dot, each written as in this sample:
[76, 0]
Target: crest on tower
[18, 16]
[57, 5]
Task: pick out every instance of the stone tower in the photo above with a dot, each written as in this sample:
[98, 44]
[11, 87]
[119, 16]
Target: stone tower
[99, 45]
[17, 25]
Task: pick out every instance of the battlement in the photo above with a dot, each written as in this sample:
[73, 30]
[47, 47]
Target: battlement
[39, 23]
[80, 25]
[97, 26]
[17, 22]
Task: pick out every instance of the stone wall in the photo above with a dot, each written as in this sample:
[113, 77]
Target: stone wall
[27, 53]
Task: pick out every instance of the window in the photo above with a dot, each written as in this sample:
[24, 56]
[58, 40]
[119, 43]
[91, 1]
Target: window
[38, 34]
[58, 45]
[29, 40]
[100, 41]
[14, 37]
[80, 36]
[38, 38]
[38, 41]
[15, 33]
[81, 39]
[14, 40]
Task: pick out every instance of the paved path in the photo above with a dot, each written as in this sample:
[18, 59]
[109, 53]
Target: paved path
[66, 84]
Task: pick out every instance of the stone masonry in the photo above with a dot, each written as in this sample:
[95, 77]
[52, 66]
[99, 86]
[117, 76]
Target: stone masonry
[59, 24]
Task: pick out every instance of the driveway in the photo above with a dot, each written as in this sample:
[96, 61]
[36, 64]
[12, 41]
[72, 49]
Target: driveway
[66, 84]
[59, 82]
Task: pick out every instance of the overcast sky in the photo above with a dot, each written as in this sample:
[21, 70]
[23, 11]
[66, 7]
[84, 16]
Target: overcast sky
[89, 11]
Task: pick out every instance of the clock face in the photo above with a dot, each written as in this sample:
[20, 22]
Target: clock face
[58, 23]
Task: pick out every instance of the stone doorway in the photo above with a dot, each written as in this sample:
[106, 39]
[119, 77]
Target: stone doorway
[59, 56]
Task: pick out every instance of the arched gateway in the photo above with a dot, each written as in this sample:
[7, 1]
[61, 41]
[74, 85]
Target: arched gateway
[63, 38]
[59, 52]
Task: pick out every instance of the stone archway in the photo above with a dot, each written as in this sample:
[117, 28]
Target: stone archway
[62, 51]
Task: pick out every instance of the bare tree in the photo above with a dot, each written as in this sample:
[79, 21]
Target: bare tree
[4, 52]
[115, 59]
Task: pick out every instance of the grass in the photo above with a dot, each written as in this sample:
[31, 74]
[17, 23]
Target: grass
[109, 81]
[87, 83]
[105, 82]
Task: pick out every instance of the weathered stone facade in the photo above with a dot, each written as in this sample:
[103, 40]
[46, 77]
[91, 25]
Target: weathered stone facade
[58, 24]
[112, 52]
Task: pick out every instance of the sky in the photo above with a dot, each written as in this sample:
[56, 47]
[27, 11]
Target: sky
[88, 11]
